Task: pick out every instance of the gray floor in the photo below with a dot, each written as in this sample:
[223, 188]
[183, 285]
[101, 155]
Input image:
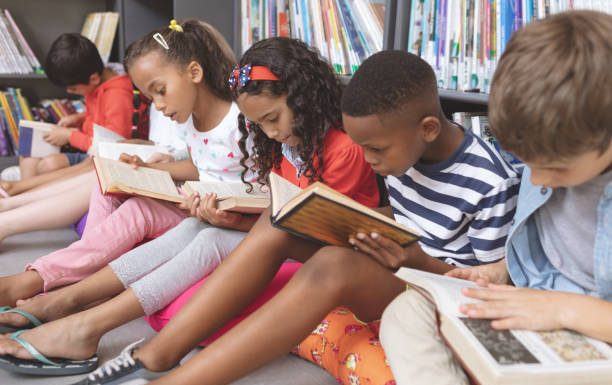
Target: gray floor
[16, 251]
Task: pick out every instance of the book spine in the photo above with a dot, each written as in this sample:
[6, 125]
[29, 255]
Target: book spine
[24, 43]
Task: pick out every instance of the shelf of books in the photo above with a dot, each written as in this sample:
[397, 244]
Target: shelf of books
[345, 32]
[16, 56]
[14, 106]
[463, 39]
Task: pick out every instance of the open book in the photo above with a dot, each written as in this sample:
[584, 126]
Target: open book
[31, 139]
[320, 213]
[232, 196]
[120, 178]
[102, 134]
[500, 357]
[113, 150]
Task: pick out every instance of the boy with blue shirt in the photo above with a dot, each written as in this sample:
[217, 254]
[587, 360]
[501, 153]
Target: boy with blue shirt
[556, 117]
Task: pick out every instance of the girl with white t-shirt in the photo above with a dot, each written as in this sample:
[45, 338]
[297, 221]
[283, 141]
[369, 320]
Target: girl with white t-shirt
[189, 88]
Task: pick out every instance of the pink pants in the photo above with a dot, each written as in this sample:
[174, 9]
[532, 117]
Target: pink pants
[162, 317]
[114, 226]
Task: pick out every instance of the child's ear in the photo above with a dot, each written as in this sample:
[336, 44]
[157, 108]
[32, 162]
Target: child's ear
[195, 71]
[95, 79]
[430, 128]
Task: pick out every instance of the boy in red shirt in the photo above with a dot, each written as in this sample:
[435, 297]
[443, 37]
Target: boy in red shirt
[73, 62]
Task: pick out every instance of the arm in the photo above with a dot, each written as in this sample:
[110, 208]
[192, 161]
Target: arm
[531, 309]
[117, 106]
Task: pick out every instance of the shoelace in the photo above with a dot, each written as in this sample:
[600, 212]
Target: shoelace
[124, 360]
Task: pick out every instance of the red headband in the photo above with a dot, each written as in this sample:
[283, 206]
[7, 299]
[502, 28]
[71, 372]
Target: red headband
[241, 77]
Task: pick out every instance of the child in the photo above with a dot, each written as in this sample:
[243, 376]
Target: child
[311, 133]
[116, 225]
[73, 62]
[555, 116]
[391, 109]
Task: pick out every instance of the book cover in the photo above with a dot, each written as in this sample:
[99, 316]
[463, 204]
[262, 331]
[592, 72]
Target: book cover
[322, 214]
[31, 139]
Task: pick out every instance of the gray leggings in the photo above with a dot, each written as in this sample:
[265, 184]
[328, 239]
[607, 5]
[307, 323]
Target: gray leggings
[162, 269]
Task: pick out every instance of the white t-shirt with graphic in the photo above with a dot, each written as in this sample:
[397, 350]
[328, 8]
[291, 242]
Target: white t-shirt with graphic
[215, 153]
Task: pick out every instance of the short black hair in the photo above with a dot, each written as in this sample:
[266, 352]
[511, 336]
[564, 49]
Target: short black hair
[72, 59]
[386, 81]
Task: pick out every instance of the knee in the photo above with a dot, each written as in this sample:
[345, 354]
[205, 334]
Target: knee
[406, 310]
[51, 163]
[328, 270]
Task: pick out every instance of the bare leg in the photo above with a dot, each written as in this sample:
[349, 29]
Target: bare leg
[47, 213]
[77, 336]
[51, 163]
[47, 190]
[235, 283]
[18, 286]
[67, 300]
[15, 188]
[28, 167]
[333, 277]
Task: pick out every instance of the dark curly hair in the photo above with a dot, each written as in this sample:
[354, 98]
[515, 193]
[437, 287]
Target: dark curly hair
[313, 95]
[199, 41]
[386, 82]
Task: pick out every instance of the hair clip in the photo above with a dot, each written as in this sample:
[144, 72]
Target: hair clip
[242, 76]
[160, 39]
[175, 26]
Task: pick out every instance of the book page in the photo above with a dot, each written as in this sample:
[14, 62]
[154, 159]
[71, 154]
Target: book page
[102, 134]
[281, 191]
[42, 126]
[446, 291]
[112, 150]
[226, 189]
[124, 176]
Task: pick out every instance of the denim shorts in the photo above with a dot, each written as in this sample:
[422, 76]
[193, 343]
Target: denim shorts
[75, 157]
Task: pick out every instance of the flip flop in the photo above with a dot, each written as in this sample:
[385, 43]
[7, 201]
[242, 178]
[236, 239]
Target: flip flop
[41, 365]
[10, 329]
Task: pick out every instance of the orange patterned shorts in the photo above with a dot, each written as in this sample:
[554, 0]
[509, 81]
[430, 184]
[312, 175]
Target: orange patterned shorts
[348, 349]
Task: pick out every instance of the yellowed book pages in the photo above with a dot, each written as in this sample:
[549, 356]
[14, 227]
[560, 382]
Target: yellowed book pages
[232, 196]
[321, 213]
[121, 178]
[90, 26]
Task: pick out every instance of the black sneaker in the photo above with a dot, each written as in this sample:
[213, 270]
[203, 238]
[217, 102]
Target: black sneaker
[121, 370]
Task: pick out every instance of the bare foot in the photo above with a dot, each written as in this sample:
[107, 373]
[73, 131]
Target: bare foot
[46, 307]
[68, 337]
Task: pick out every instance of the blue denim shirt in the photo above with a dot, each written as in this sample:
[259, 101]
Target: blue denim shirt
[527, 263]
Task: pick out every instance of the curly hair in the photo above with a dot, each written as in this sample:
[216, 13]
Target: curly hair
[313, 95]
[199, 41]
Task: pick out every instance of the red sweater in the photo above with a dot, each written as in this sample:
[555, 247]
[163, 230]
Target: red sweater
[344, 169]
[109, 105]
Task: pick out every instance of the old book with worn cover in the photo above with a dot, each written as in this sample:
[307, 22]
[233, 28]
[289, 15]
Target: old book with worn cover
[321, 213]
[505, 357]
[232, 196]
[116, 177]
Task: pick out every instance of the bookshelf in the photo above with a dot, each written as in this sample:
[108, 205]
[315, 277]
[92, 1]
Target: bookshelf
[41, 21]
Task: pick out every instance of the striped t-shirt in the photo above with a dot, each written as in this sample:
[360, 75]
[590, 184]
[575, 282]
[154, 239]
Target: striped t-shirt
[462, 207]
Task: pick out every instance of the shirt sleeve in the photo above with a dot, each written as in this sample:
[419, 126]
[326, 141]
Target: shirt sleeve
[116, 107]
[489, 227]
[347, 172]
